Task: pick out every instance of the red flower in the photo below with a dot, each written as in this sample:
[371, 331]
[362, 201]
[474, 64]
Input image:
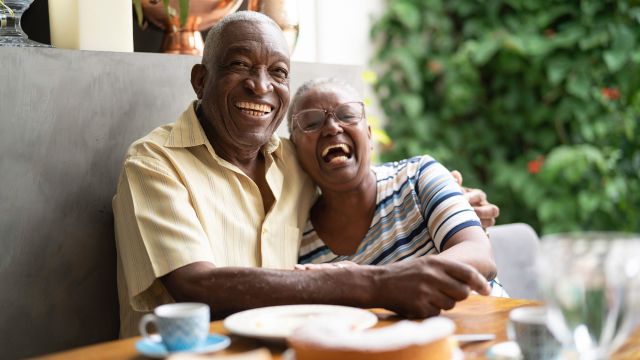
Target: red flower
[435, 67]
[535, 165]
[612, 94]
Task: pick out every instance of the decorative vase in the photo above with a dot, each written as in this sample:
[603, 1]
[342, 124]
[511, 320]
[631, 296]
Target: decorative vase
[284, 13]
[11, 33]
[203, 14]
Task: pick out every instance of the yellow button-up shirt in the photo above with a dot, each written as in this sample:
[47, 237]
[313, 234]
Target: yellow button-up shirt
[178, 203]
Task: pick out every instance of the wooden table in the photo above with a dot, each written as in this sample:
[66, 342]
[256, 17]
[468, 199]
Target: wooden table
[477, 314]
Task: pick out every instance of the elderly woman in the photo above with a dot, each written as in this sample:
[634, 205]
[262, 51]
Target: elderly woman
[374, 215]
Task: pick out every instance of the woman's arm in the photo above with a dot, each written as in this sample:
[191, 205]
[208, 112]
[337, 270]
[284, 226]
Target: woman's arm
[452, 223]
[472, 246]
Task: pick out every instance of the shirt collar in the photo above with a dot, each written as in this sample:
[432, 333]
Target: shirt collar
[273, 147]
[188, 132]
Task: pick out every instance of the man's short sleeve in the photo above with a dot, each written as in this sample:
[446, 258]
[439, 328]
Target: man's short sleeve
[157, 230]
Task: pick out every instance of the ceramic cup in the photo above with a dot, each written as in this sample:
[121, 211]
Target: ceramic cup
[528, 327]
[182, 326]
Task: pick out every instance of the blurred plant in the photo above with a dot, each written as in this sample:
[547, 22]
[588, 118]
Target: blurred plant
[380, 137]
[4, 8]
[536, 102]
[182, 4]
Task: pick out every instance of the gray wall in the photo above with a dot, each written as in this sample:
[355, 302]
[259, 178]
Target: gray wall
[66, 118]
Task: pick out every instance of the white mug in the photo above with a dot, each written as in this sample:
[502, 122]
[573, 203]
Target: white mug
[182, 326]
[528, 327]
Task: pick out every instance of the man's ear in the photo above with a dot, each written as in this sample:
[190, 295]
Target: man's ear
[198, 76]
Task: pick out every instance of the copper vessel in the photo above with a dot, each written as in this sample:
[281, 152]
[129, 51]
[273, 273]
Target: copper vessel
[284, 13]
[187, 39]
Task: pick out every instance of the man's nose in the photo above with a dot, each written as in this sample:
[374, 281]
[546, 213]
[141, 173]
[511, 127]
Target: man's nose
[259, 81]
[331, 126]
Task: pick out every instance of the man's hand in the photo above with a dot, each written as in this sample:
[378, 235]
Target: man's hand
[423, 287]
[486, 211]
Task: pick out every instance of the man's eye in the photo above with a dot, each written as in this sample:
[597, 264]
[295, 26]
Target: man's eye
[281, 73]
[239, 64]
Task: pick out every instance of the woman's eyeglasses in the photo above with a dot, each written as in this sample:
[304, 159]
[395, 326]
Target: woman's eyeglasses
[349, 113]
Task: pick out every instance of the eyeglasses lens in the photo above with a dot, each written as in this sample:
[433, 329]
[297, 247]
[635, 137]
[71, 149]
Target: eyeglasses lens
[347, 114]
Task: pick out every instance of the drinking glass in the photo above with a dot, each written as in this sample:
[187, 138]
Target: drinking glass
[11, 33]
[591, 283]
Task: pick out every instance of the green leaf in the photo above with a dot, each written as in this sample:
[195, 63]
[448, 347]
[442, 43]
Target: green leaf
[557, 69]
[569, 36]
[578, 85]
[599, 37]
[413, 105]
[622, 37]
[407, 14]
[484, 49]
[615, 60]
[167, 9]
[410, 68]
[184, 12]
[137, 5]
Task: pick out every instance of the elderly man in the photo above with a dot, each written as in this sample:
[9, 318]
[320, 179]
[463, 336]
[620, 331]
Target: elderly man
[210, 208]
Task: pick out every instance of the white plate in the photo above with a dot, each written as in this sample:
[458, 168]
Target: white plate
[290, 354]
[278, 322]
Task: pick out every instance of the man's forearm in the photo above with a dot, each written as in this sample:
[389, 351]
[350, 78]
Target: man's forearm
[231, 289]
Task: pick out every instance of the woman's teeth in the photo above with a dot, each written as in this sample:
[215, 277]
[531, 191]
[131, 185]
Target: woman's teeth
[337, 153]
[343, 147]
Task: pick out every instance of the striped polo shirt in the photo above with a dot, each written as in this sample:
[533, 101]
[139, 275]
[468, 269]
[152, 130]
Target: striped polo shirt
[419, 206]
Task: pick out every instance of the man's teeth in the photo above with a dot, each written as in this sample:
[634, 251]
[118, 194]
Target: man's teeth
[343, 147]
[253, 108]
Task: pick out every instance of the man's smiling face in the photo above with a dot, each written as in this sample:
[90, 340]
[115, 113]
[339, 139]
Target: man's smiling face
[246, 89]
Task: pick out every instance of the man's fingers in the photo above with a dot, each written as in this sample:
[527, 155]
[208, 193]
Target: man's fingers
[488, 211]
[479, 284]
[458, 176]
[454, 288]
[442, 301]
[476, 197]
[487, 222]
[469, 276]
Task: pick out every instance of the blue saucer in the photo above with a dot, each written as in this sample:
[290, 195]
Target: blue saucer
[153, 348]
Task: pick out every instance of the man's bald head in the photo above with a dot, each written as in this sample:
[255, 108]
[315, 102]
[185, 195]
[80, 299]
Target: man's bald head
[214, 39]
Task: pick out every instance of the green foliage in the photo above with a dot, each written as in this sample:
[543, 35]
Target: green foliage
[536, 102]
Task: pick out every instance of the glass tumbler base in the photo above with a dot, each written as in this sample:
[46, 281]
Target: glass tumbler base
[19, 41]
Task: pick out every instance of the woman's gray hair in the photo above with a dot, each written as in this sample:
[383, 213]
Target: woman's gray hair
[304, 88]
[213, 41]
